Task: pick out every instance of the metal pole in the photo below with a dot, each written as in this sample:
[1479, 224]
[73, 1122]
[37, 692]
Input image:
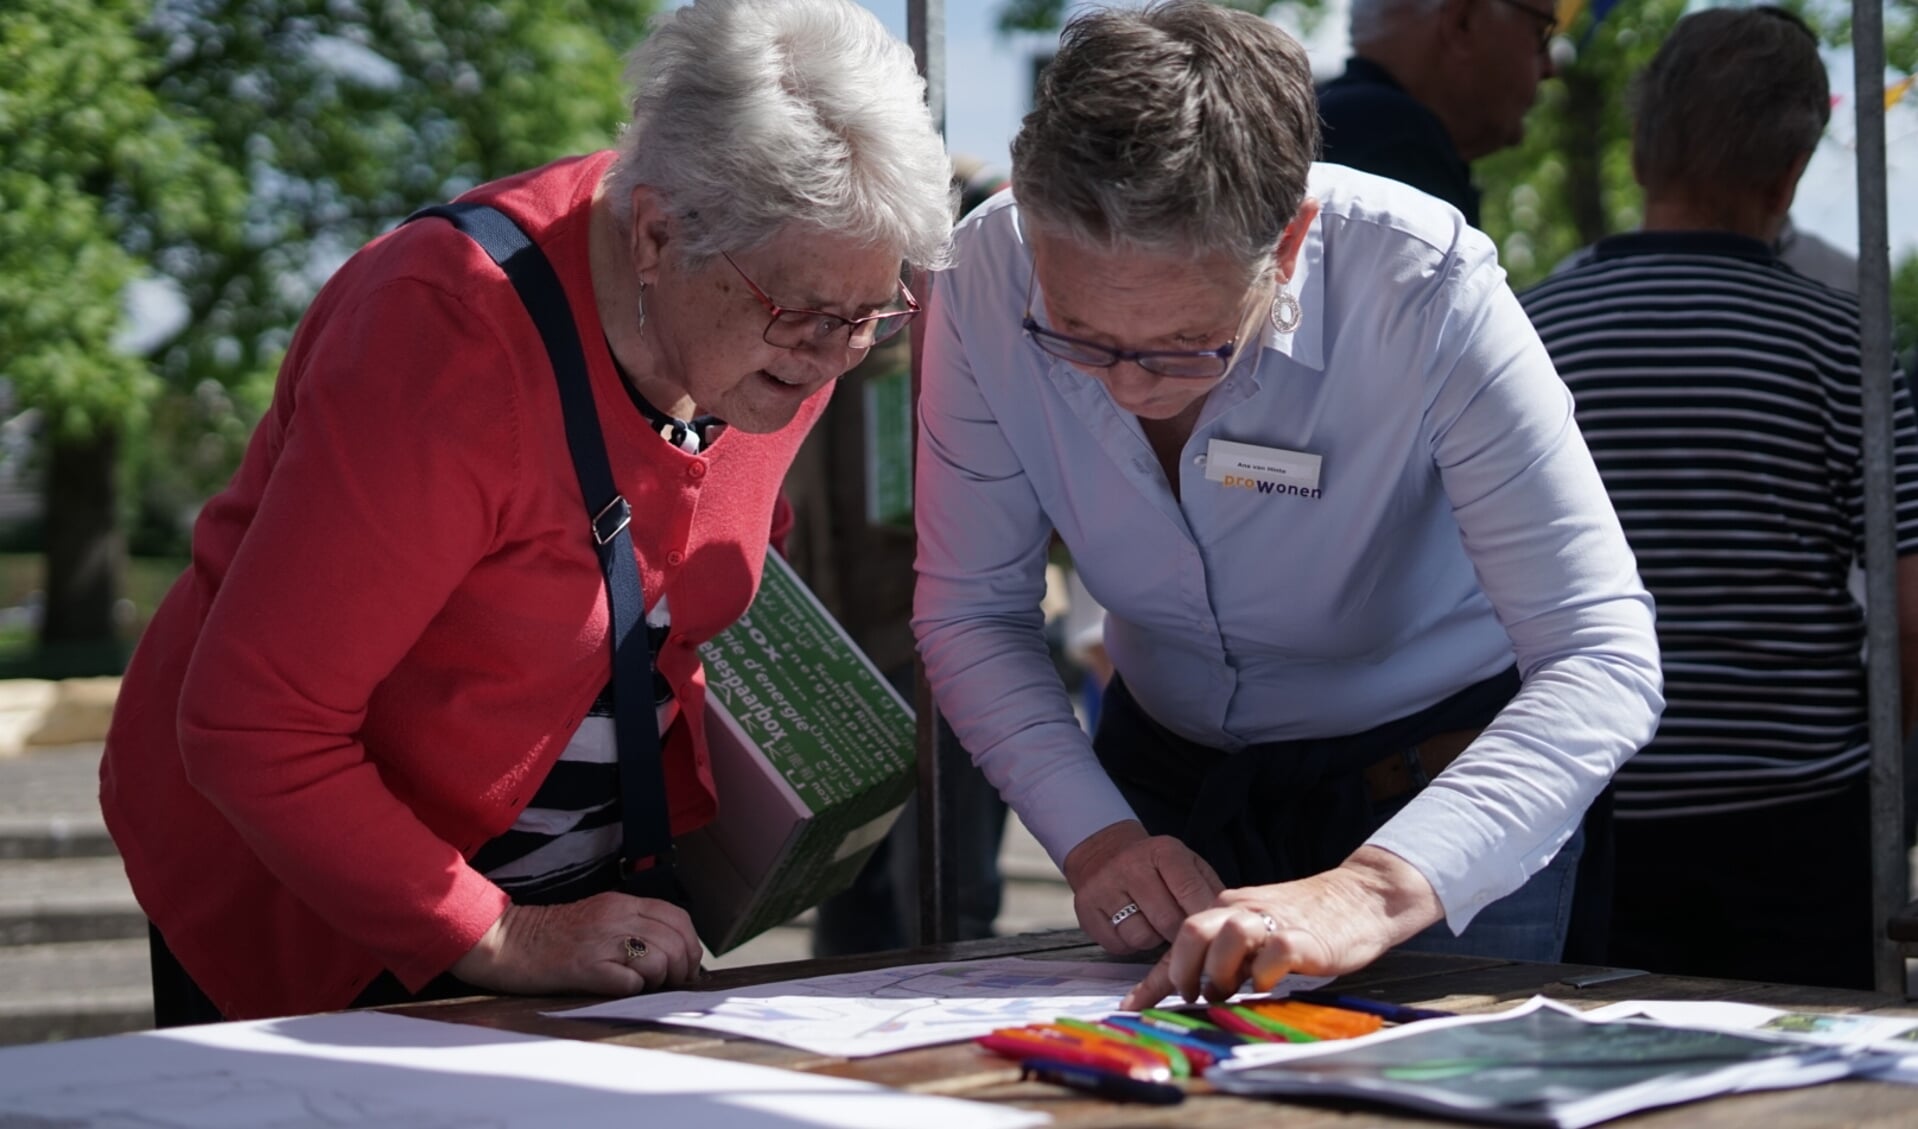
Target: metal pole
[938, 753]
[926, 31]
[1890, 889]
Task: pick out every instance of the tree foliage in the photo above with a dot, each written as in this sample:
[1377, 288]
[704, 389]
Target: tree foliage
[239, 150]
[1570, 181]
[345, 115]
[99, 180]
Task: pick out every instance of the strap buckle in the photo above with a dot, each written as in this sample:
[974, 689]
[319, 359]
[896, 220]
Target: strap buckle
[617, 509]
[663, 861]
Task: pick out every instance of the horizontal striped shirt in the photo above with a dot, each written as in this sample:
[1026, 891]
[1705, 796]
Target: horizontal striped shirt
[565, 844]
[1719, 392]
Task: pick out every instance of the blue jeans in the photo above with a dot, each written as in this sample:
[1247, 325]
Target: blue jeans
[1527, 924]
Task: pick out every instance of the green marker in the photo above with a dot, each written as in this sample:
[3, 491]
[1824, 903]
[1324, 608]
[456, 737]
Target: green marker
[1189, 1022]
[1284, 1031]
[1197, 1028]
[1175, 1058]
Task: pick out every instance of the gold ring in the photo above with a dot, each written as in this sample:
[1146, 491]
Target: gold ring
[635, 948]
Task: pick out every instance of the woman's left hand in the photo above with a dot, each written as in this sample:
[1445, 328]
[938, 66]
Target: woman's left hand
[607, 945]
[1326, 925]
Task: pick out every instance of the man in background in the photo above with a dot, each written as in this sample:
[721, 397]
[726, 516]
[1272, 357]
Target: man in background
[1433, 85]
[1719, 391]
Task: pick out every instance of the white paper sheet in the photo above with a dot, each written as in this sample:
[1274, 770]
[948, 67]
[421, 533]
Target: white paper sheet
[1533, 1065]
[1897, 1034]
[391, 1072]
[1894, 1032]
[855, 1014]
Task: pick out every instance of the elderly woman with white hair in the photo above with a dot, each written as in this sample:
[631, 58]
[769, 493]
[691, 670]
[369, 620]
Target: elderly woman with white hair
[390, 735]
[1378, 637]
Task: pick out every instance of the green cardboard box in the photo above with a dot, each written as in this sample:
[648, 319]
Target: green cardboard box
[812, 756]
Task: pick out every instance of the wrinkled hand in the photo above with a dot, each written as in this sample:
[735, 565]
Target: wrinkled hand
[581, 948]
[1121, 865]
[1326, 925]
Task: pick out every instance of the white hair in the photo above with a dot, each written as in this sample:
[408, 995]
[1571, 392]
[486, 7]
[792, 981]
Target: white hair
[752, 115]
[1376, 20]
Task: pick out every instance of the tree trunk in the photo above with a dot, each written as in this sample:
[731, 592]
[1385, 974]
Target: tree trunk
[85, 557]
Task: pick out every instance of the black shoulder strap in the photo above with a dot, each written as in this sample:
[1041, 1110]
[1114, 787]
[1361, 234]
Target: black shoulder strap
[642, 784]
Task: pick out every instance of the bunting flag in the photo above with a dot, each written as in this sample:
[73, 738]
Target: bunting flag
[1894, 93]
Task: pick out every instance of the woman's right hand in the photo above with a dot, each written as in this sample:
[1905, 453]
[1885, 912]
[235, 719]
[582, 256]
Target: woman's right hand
[580, 948]
[1120, 867]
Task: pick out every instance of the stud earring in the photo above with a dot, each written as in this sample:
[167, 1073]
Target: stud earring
[1286, 314]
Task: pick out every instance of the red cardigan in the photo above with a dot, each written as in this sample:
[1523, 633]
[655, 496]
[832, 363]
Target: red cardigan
[394, 620]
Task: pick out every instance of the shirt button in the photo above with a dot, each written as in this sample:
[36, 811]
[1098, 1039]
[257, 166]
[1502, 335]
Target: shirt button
[1198, 460]
[680, 639]
[697, 470]
[675, 558]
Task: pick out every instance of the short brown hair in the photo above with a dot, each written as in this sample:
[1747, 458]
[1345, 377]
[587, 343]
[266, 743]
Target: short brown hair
[1730, 102]
[1182, 127]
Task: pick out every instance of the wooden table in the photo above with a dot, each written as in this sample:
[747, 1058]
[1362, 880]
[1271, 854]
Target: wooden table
[1461, 984]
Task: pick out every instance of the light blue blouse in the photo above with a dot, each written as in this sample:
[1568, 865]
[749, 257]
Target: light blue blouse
[1457, 525]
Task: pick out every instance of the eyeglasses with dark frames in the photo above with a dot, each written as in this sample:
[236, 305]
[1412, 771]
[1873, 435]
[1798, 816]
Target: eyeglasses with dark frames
[791, 328]
[1547, 22]
[1180, 364]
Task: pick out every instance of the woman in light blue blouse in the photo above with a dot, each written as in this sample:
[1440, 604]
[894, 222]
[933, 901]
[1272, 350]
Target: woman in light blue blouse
[1379, 639]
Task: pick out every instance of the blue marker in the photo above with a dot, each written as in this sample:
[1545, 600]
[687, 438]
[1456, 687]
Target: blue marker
[1391, 1013]
[1100, 1083]
[1183, 1040]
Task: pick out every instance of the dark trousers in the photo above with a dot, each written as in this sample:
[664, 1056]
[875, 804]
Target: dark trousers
[179, 1002]
[1277, 811]
[1780, 894]
[1290, 809]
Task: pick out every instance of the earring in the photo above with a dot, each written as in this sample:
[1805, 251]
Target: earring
[639, 304]
[1286, 314]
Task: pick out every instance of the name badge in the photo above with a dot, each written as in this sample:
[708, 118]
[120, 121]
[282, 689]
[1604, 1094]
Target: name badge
[1225, 459]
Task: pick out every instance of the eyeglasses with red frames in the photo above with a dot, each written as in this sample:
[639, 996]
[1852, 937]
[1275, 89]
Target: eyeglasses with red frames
[788, 328]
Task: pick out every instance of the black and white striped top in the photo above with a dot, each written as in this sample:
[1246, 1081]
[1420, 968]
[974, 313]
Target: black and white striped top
[1719, 393]
[565, 844]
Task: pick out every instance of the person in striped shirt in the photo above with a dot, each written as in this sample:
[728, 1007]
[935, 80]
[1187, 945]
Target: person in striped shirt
[1719, 391]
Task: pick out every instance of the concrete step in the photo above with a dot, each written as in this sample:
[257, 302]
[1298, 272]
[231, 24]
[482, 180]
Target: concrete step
[50, 901]
[49, 804]
[75, 990]
[54, 837]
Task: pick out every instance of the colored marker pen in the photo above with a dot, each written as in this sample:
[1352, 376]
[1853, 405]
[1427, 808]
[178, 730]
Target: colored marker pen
[1391, 1013]
[1192, 1027]
[1174, 1057]
[1198, 1052]
[1266, 1025]
[1100, 1083]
